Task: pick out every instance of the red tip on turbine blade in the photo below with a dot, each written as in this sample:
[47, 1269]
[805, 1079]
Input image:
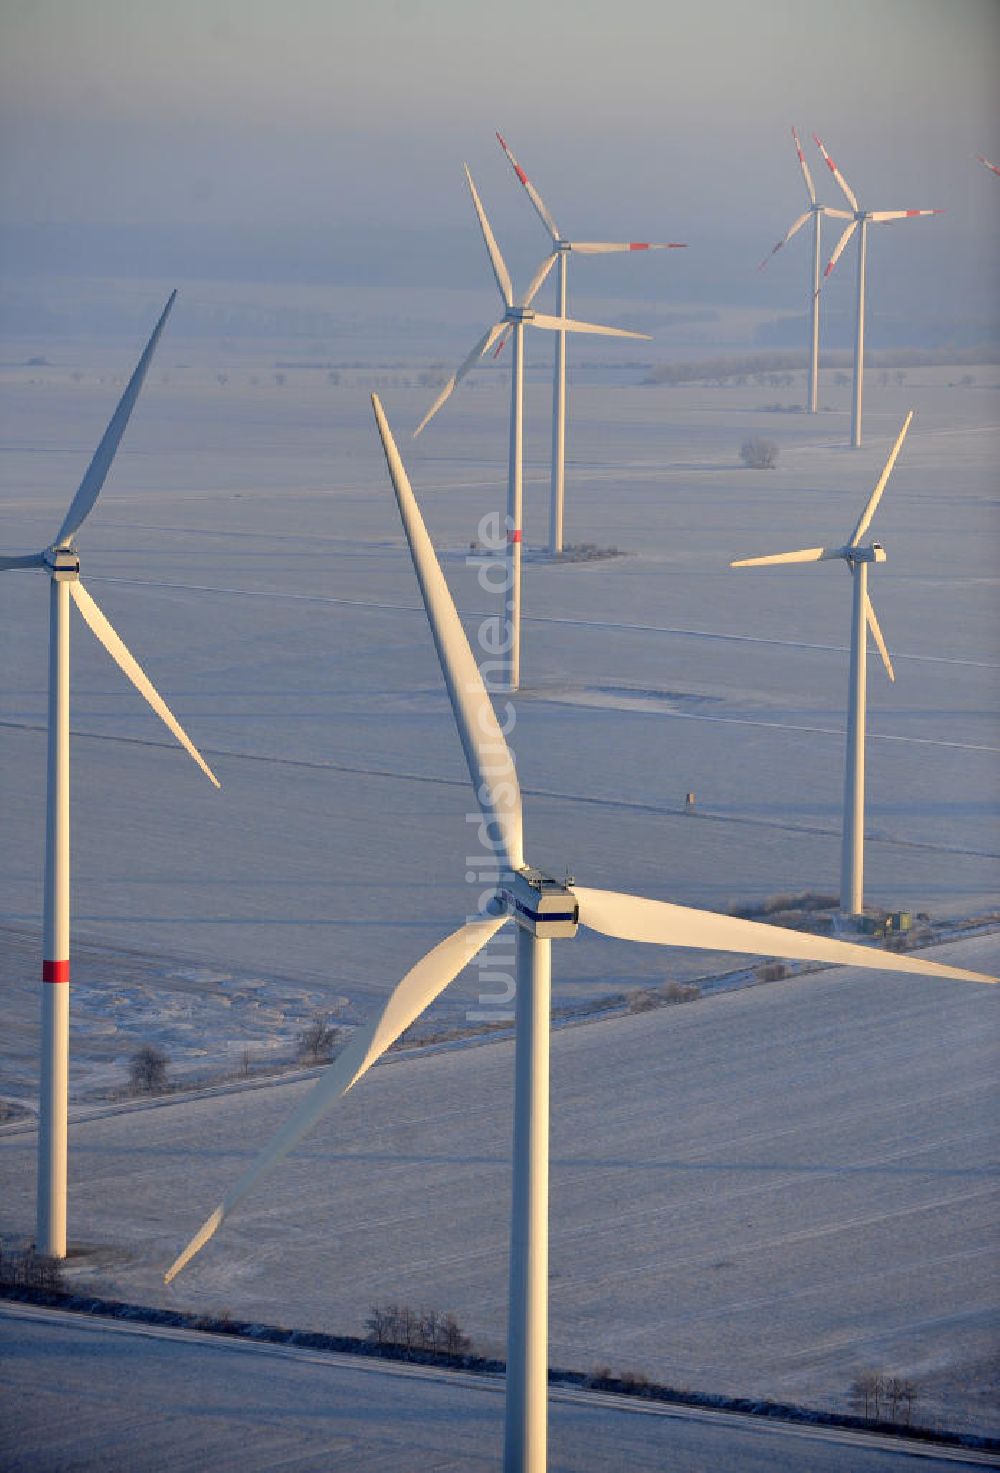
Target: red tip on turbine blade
[638, 245]
[55, 971]
[829, 268]
[520, 173]
[828, 160]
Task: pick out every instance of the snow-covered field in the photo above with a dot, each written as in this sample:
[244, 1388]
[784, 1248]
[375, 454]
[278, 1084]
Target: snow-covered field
[194, 1403]
[248, 549]
[760, 1192]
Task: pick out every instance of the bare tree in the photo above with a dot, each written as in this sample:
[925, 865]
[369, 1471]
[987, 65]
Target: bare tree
[881, 1397]
[147, 1071]
[316, 1043]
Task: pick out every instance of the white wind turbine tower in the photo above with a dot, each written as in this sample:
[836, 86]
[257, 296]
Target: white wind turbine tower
[817, 211]
[543, 909]
[860, 219]
[515, 316]
[863, 618]
[62, 563]
[560, 251]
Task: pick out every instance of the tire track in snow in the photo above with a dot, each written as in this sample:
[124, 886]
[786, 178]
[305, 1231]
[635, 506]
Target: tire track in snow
[622, 804]
[669, 629]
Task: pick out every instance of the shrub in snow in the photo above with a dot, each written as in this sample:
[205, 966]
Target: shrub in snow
[758, 454]
[23, 1268]
[317, 1042]
[673, 992]
[147, 1071]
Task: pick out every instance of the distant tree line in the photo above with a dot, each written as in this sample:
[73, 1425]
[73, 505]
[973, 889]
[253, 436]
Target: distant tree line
[782, 361]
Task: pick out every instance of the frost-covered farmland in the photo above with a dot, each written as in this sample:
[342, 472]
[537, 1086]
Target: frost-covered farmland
[761, 1192]
[250, 1407]
[248, 548]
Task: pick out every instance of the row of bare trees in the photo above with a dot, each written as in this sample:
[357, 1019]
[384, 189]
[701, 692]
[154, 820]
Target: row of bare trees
[416, 1329]
[880, 1397]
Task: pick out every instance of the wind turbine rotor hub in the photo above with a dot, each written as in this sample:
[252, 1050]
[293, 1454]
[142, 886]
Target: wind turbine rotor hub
[873, 554]
[519, 314]
[64, 562]
[539, 904]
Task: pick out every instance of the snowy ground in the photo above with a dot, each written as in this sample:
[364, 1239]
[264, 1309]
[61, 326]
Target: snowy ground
[194, 1403]
[248, 549]
[762, 1193]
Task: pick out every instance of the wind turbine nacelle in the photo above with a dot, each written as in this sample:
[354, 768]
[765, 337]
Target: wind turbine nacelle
[64, 562]
[873, 554]
[544, 906]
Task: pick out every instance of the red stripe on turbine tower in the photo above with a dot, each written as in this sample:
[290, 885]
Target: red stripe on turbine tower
[514, 536]
[55, 971]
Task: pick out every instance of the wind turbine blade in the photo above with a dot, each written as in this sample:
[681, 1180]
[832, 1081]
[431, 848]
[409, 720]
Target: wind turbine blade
[986, 161]
[569, 324]
[90, 487]
[630, 918]
[880, 215]
[493, 250]
[836, 214]
[839, 248]
[491, 765]
[413, 994]
[129, 666]
[483, 346]
[793, 229]
[876, 630]
[606, 247]
[802, 555]
[532, 192]
[864, 520]
[22, 560]
[538, 279]
[848, 191]
[807, 176]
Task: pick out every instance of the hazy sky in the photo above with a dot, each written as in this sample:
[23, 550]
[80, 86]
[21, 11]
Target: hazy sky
[639, 117]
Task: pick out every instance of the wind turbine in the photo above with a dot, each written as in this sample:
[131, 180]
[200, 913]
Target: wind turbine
[863, 618]
[515, 316]
[860, 218]
[543, 909]
[560, 252]
[62, 563]
[817, 211]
